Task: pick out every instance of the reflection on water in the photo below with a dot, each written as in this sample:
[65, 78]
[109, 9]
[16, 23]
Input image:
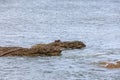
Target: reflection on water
[95, 22]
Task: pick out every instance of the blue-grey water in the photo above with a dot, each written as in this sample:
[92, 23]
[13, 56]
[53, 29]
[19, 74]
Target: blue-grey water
[28, 22]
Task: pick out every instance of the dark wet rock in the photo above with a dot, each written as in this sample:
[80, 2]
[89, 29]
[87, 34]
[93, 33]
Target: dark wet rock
[52, 49]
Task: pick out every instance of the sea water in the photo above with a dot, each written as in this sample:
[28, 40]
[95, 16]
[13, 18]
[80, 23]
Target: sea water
[28, 22]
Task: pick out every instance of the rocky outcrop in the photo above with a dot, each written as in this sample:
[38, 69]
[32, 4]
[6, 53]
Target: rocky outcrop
[52, 49]
[63, 45]
[110, 64]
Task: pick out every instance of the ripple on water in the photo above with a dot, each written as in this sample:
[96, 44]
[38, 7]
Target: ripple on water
[96, 23]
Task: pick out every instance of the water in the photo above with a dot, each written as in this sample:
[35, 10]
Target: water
[28, 22]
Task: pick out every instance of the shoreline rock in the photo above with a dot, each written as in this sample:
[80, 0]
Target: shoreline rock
[52, 49]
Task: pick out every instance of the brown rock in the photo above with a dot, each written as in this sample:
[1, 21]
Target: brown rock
[46, 50]
[52, 49]
[111, 65]
[68, 44]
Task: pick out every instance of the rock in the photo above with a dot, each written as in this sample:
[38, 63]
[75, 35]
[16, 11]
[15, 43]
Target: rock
[52, 49]
[110, 64]
[38, 51]
[67, 44]
[46, 50]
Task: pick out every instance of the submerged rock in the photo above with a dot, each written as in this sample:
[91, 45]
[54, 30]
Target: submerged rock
[52, 49]
[110, 64]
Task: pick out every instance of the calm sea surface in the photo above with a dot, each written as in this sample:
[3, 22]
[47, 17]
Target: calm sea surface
[28, 22]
